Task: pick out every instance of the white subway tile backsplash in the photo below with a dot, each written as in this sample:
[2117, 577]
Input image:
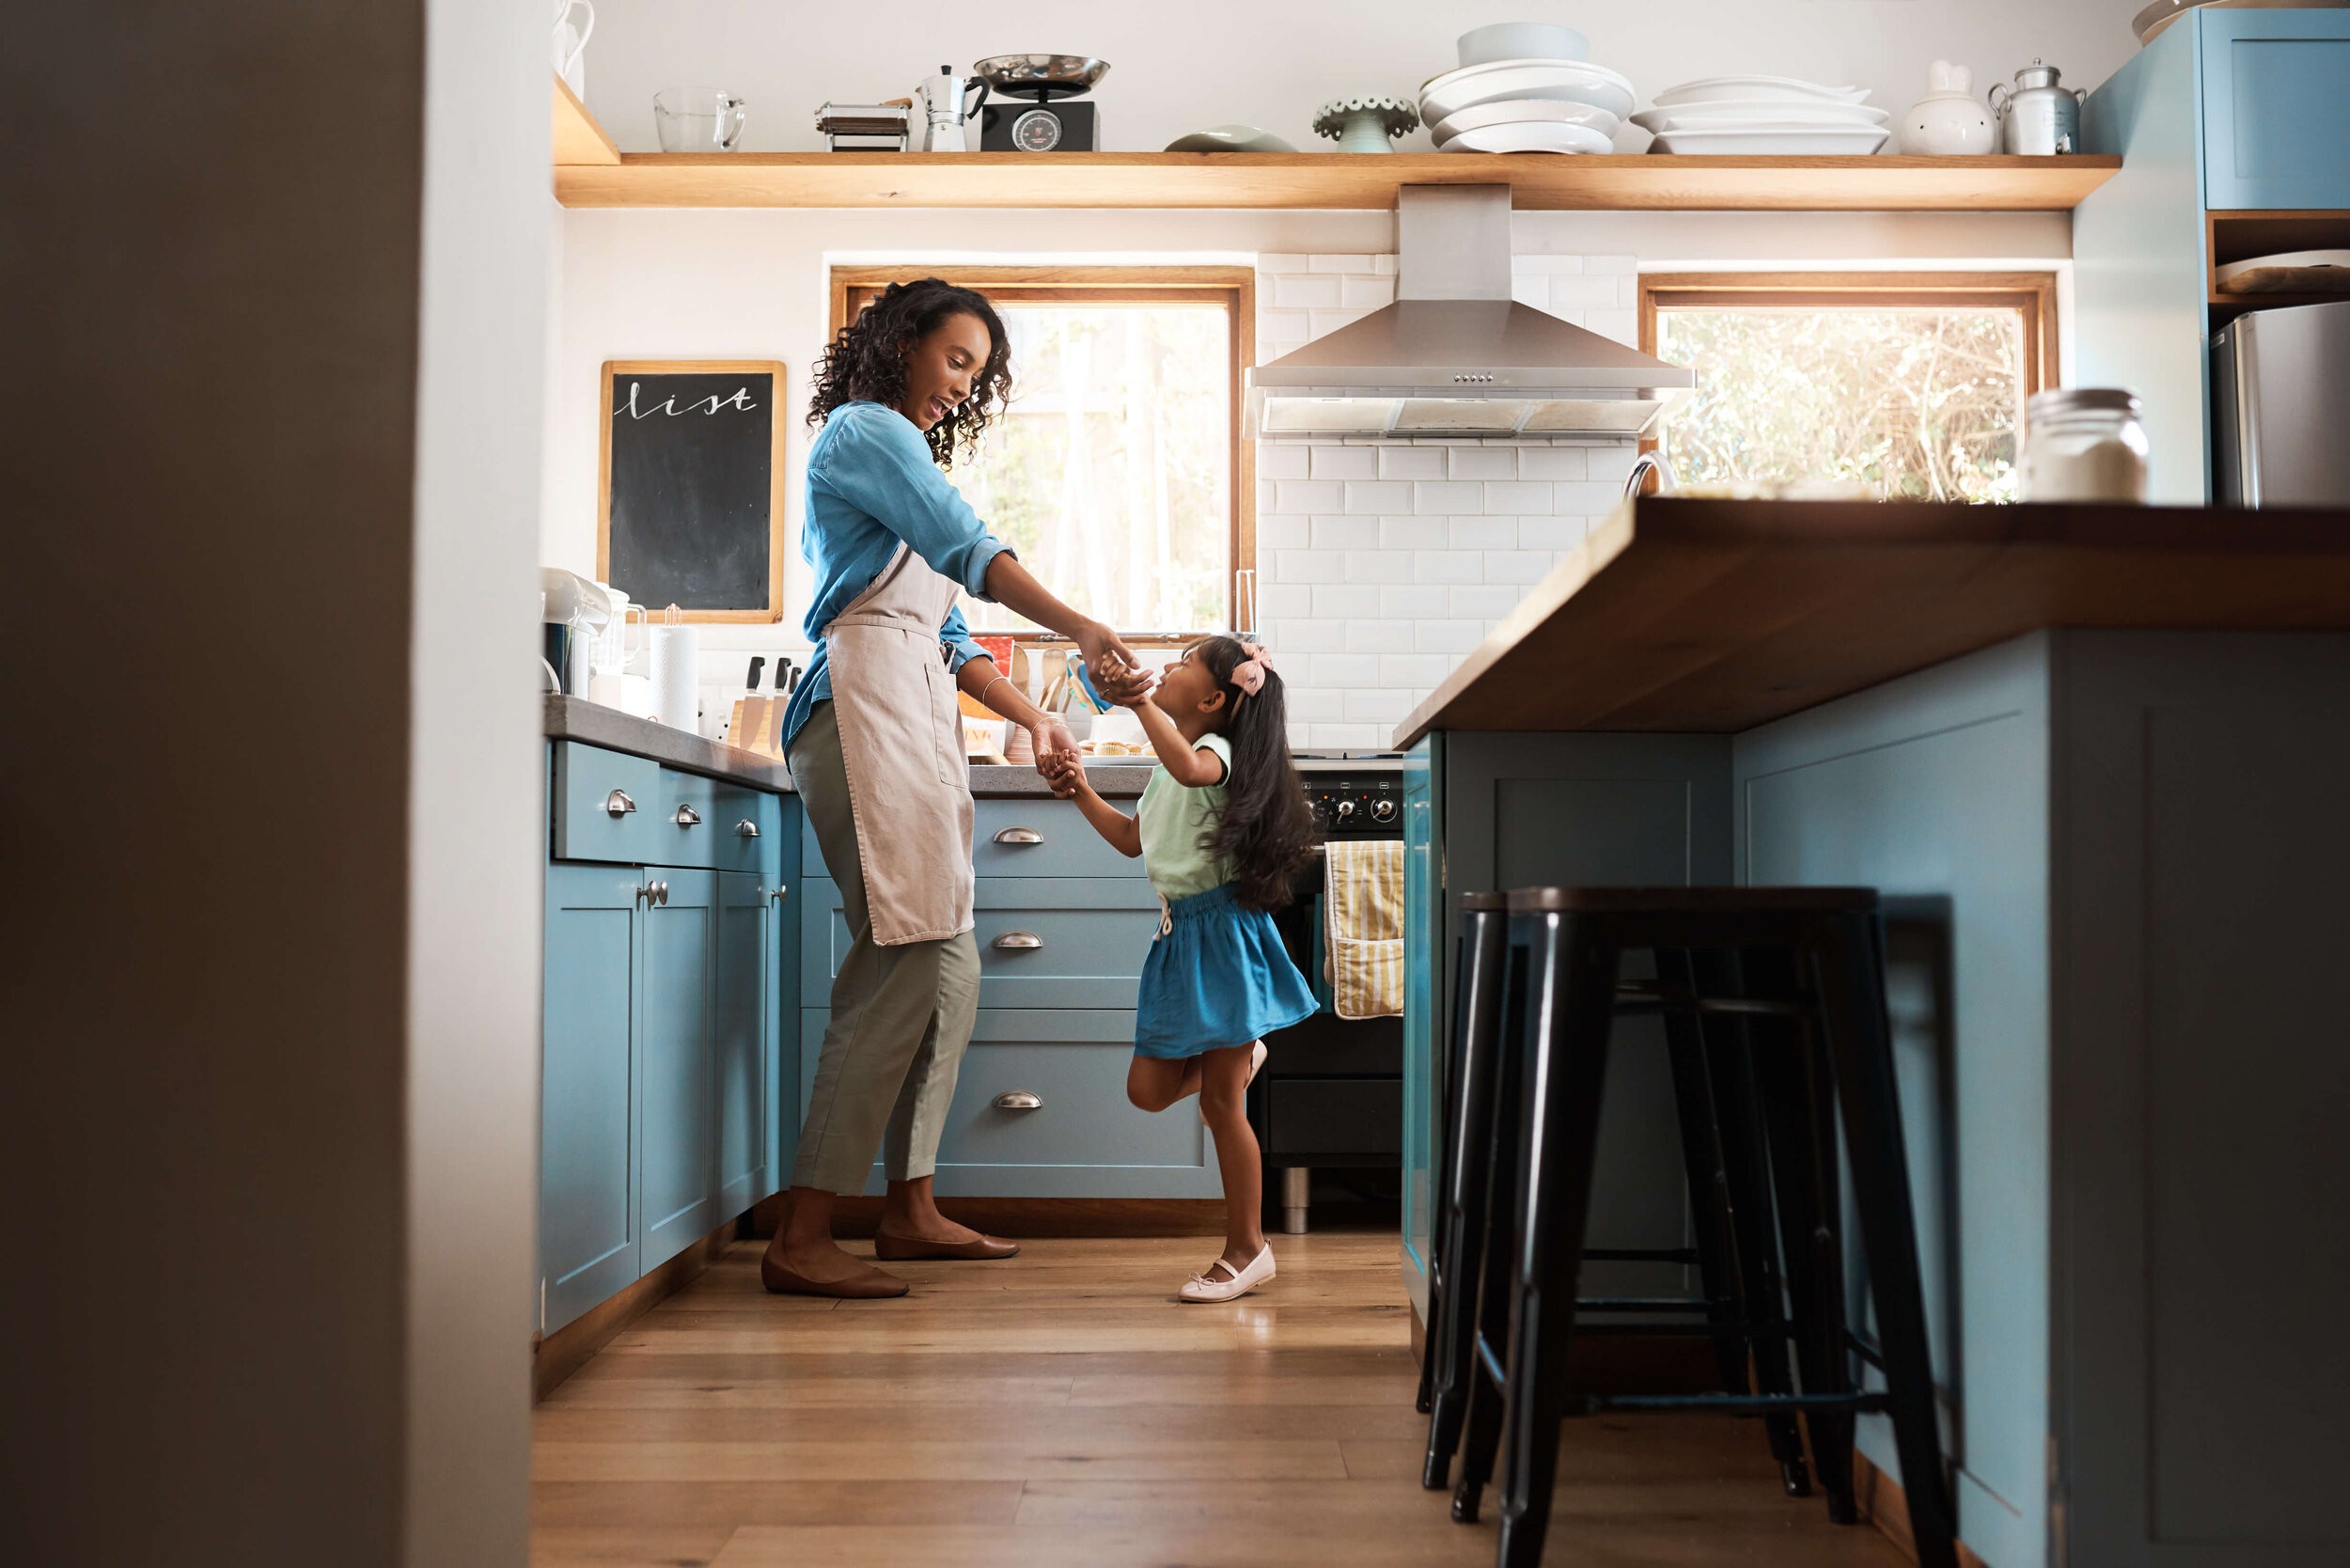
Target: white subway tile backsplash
[1275, 602]
[1447, 636]
[1434, 498]
[1298, 734]
[1303, 292]
[1292, 326]
[1531, 289]
[1414, 533]
[1280, 532]
[1482, 462]
[1366, 292]
[1552, 534]
[1611, 264]
[1588, 498]
[1380, 705]
[1419, 601]
[1546, 264]
[1314, 702]
[1305, 634]
[1589, 292]
[1612, 462]
[1384, 265]
[1344, 463]
[1308, 566]
[1346, 602]
[1517, 566]
[1379, 566]
[1327, 321]
[1345, 670]
[1421, 670]
[1375, 497]
[1411, 462]
[1278, 460]
[1447, 566]
[1347, 737]
[1307, 495]
[1373, 636]
[1511, 496]
[1550, 463]
[1484, 533]
[1338, 263]
[1346, 533]
[1481, 601]
[1622, 324]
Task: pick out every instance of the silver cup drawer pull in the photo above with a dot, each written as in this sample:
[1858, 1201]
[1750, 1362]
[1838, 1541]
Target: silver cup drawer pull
[746, 828]
[1017, 941]
[1019, 835]
[1019, 1099]
[618, 803]
[688, 817]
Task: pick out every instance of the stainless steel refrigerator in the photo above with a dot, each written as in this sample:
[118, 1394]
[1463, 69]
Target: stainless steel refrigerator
[2281, 407]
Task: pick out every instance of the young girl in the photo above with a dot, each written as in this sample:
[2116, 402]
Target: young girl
[1222, 828]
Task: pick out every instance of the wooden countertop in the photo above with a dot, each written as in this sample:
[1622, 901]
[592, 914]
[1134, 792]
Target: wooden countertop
[1708, 616]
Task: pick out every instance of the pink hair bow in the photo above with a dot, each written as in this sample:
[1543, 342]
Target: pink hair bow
[1249, 674]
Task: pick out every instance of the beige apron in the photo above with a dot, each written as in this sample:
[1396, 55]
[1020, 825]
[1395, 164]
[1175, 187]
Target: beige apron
[901, 747]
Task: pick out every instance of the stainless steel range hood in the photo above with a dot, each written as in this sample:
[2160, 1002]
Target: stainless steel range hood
[1455, 356]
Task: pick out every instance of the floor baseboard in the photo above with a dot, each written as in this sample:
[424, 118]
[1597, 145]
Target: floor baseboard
[1883, 1504]
[1021, 1217]
[555, 1357]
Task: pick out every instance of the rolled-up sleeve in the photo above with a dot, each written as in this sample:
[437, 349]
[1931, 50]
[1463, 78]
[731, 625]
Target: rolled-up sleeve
[885, 469]
[954, 634]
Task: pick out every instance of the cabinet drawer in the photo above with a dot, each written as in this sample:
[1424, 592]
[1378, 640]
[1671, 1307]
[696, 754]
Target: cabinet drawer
[2275, 108]
[1085, 1139]
[1043, 942]
[1026, 837]
[605, 804]
[700, 822]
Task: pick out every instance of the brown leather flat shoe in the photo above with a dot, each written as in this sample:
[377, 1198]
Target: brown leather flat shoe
[869, 1285]
[897, 1250]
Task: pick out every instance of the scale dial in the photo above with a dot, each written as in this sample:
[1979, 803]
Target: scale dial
[1035, 130]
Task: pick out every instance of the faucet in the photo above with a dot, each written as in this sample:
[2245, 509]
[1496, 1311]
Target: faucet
[1643, 465]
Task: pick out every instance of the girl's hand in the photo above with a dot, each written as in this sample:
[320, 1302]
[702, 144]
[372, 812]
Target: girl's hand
[1065, 773]
[1125, 686]
[1105, 654]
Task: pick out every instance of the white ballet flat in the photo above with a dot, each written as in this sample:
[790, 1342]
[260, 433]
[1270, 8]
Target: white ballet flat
[1256, 1064]
[1209, 1287]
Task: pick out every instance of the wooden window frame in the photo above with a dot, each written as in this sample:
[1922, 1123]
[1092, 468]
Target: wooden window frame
[1234, 287]
[2032, 294]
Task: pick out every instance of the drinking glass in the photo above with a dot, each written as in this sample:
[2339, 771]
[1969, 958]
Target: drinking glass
[698, 119]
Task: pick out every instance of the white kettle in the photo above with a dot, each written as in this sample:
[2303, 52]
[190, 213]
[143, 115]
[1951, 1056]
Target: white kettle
[945, 109]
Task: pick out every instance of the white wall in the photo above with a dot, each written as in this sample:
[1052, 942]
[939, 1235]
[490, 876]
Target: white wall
[1270, 63]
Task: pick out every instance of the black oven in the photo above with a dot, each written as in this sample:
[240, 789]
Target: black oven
[1331, 1094]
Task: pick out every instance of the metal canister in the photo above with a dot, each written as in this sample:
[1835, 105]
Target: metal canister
[2036, 116]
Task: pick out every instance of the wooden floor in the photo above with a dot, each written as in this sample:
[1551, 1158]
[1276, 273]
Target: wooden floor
[1063, 1409]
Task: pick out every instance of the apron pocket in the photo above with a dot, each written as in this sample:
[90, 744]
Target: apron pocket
[946, 726]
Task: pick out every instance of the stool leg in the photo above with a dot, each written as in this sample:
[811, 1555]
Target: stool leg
[1762, 1296]
[1570, 1005]
[1852, 987]
[1798, 1114]
[1462, 1217]
[1701, 1163]
[1483, 1293]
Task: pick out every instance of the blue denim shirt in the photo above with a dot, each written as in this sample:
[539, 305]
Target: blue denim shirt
[870, 485]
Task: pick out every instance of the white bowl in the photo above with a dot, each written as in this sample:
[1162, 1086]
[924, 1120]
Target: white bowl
[1716, 89]
[1529, 135]
[1563, 81]
[1518, 110]
[1785, 141]
[1756, 116]
[1522, 40]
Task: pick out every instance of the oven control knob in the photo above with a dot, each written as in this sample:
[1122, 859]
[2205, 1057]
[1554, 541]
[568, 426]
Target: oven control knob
[1382, 811]
[1344, 810]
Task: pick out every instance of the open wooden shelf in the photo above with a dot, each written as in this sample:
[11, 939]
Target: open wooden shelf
[590, 172]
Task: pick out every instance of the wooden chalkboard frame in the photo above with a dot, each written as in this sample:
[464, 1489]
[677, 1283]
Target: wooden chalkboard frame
[773, 610]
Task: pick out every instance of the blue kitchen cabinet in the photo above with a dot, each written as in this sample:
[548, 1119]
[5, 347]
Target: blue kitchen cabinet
[748, 1018]
[677, 1142]
[2276, 102]
[1424, 1021]
[587, 1200]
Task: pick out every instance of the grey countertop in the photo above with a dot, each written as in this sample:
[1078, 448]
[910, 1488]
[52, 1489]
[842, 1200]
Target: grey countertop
[575, 718]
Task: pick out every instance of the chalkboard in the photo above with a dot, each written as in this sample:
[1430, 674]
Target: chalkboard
[691, 494]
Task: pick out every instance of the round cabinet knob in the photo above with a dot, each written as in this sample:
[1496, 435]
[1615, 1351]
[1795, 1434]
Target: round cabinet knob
[777, 892]
[1019, 835]
[1018, 940]
[688, 817]
[746, 828]
[619, 804]
[1382, 811]
[1019, 1099]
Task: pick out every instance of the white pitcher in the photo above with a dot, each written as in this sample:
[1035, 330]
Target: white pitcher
[571, 44]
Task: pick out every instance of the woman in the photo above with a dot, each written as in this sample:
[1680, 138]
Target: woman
[875, 746]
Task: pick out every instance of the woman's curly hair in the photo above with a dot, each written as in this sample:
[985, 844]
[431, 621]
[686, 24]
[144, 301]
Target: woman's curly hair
[865, 361]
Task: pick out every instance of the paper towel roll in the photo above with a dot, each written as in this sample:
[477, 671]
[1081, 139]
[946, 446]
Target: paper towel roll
[676, 653]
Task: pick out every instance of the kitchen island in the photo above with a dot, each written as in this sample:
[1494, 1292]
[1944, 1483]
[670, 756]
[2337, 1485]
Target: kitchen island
[2097, 754]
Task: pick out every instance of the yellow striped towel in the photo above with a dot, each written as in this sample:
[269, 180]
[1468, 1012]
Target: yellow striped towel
[1363, 914]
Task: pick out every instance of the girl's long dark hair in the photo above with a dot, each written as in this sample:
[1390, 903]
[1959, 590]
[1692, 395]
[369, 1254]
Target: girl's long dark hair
[1266, 832]
[865, 361]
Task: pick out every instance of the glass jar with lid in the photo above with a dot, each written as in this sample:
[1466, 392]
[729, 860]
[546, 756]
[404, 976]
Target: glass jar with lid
[2084, 444]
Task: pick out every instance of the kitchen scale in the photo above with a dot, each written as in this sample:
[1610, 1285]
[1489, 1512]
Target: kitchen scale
[1045, 116]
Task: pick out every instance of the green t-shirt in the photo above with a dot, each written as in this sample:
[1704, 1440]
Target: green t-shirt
[1174, 818]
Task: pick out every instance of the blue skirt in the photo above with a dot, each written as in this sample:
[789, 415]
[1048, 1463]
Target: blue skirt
[1217, 977]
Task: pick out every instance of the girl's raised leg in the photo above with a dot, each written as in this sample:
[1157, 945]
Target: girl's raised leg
[1154, 1083]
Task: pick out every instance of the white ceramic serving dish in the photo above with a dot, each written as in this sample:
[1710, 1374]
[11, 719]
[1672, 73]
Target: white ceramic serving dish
[1521, 40]
[1230, 138]
[1529, 135]
[1779, 142]
[1563, 81]
[1720, 90]
[1515, 110]
[1756, 116]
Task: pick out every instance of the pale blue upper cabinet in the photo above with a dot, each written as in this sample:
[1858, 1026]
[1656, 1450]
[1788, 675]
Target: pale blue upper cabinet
[677, 1138]
[2275, 108]
[588, 1194]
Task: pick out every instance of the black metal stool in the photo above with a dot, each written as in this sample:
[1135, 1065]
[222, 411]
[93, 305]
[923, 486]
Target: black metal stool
[1741, 1301]
[1809, 958]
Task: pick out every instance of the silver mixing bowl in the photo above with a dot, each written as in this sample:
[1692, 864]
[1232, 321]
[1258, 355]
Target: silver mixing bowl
[1040, 76]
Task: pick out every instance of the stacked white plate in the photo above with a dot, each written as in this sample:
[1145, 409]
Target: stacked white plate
[1776, 115]
[1525, 106]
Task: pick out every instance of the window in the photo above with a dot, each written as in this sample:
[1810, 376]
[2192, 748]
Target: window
[1912, 385]
[1118, 471]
